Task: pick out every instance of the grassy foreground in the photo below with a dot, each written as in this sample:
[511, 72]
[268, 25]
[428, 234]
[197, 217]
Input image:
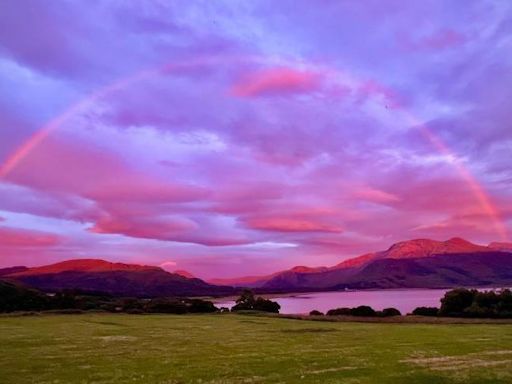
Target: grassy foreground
[111, 348]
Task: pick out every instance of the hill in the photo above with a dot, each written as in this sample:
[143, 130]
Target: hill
[115, 279]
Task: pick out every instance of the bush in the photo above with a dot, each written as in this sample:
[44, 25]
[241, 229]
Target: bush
[339, 312]
[315, 313]
[389, 312]
[426, 311]
[201, 306]
[363, 310]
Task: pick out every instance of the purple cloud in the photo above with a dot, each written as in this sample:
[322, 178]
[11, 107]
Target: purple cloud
[283, 133]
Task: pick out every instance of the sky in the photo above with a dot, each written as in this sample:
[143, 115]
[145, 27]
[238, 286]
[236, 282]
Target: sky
[232, 138]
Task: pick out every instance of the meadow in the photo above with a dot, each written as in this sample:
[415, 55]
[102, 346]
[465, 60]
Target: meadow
[229, 348]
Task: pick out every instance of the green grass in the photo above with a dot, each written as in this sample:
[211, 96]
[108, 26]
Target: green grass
[104, 348]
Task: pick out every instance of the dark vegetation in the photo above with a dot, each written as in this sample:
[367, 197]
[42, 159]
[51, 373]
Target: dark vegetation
[247, 302]
[315, 313]
[15, 297]
[460, 302]
[472, 303]
[364, 311]
[426, 311]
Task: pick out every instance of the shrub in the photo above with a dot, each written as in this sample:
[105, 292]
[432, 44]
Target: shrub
[201, 306]
[389, 312]
[363, 310]
[426, 311]
[339, 312]
[315, 313]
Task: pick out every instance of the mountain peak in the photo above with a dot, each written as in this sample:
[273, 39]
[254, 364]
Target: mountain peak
[425, 247]
[459, 241]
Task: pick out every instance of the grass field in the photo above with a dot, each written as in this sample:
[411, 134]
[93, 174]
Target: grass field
[104, 348]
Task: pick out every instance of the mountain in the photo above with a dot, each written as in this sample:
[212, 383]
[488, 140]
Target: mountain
[83, 265]
[259, 281]
[114, 278]
[420, 263]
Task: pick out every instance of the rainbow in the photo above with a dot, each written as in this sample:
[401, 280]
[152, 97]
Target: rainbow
[483, 198]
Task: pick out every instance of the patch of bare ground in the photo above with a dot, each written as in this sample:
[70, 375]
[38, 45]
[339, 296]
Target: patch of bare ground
[460, 362]
[328, 370]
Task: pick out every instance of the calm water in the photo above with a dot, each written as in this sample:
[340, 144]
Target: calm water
[405, 300]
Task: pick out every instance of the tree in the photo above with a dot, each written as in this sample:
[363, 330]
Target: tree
[265, 305]
[456, 301]
[247, 302]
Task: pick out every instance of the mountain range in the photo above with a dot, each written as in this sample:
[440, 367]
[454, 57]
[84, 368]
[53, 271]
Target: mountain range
[420, 263]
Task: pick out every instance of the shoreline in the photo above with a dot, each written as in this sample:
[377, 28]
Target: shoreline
[304, 294]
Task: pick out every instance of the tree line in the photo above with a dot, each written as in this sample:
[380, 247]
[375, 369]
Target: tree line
[14, 297]
[459, 302]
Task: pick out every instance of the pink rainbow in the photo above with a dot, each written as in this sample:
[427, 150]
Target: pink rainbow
[38, 137]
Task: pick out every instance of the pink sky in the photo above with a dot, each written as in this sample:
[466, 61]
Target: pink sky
[227, 138]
